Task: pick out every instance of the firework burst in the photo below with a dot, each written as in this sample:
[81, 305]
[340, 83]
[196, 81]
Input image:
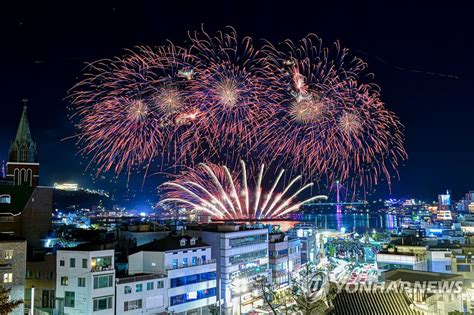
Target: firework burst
[234, 90]
[332, 126]
[128, 110]
[214, 190]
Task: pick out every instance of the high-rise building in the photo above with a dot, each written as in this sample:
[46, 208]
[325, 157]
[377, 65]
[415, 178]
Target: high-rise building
[242, 259]
[22, 165]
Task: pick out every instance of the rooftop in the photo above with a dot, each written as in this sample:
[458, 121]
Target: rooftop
[224, 227]
[169, 243]
[415, 275]
[19, 198]
[139, 277]
[369, 303]
[11, 238]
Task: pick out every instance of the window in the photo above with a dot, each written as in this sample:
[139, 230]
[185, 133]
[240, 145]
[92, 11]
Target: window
[5, 199]
[47, 300]
[247, 256]
[197, 278]
[69, 299]
[49, 275]
[149, 286]
[247, 240]
[84, 263]
[29, 274]
[464, 268]
[102, 303]
[8, 278]
[81, 282]
[159, 285]
[448, 267]
[64, 280]
[101, 263]
[127, 289]
[182, 242]
[72, 262]
[185, 262]
[139, 287]
[194, 260]
[192, 296]
[104, 281]
[61, 263]
[132, 305]
[38, 275]
[193, 241]
[8, 254]
[175, 263]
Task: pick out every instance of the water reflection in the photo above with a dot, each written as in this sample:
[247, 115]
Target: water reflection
[351, 222]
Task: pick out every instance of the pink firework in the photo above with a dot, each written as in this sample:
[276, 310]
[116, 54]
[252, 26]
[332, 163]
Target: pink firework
[128, 110]
[217, 192]
[235, 92]
[332, 126]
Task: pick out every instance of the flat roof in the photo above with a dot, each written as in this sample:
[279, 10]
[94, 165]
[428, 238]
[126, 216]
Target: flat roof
[416, 275]
[4, 237]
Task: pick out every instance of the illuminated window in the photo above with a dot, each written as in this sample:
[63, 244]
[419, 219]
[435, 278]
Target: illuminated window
[8, 254]
[64, 280]
[8, 278]
[5, 199]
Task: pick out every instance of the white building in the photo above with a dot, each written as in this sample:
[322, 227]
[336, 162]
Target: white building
[13, 267]
[309, 238]
[439, 260]
[242, 258]
[191, 273]
[401, 260]
[141, 294]
[284, 258]
[85, 281]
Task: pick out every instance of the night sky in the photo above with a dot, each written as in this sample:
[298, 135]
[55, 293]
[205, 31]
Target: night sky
[409, 47]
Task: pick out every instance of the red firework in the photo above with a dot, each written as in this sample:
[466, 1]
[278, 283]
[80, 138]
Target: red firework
[332, 126]
[234, 90]
[129, 109]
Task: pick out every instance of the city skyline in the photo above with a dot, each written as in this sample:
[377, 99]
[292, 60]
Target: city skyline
[49, 66]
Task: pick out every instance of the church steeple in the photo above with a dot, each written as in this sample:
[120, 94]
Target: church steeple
[23, 166]
[23, 133]
[23, 149]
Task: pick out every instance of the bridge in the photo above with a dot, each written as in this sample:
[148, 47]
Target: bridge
[338, 202]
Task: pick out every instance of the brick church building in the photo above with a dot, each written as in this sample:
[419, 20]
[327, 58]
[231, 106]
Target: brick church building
[25, 207]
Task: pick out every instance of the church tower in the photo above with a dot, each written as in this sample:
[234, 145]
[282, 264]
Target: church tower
[22, 165]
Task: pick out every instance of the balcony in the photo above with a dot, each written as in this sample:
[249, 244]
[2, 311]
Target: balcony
[199, 263]
[102, 268]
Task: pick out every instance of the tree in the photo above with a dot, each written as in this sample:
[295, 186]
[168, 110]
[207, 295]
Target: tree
[309, 294]
[7, 305]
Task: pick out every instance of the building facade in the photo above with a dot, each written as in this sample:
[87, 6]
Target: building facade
[187, 264]
[141, 294]
[23, 166]
[13, 267]
[85, 281]
[242, 259]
